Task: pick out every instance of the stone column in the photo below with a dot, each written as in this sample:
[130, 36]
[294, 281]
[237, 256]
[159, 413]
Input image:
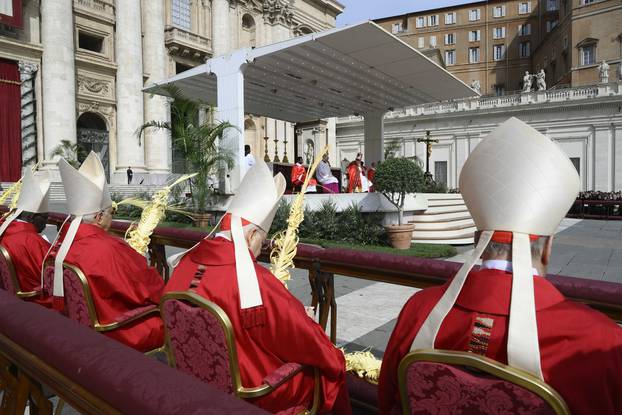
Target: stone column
[130, 115]
[58, 77]
[27, 72]
[220, 27]
[156, 106]
[374, 137]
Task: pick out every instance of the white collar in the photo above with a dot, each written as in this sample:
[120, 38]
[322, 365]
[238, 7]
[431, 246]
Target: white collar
[502, 265]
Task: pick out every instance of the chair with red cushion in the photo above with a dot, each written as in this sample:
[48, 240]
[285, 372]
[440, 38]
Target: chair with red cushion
[200, 341]
[8, 277]
[449, 382]
[79, 304]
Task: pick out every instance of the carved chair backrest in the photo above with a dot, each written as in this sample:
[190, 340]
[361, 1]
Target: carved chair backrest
[8, 278]
[200, 340]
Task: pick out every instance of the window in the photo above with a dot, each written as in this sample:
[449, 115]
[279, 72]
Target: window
[474, 36]
[498, 11]
[440, 172]
[421, 43]
[432, 41]
[498, 52]
[498, 33]
[588, 54]
[90, 42]
[420, 22]
[450, 57]
[523, 49]
[450, 39]
[180, 13]
[499, 90]
[450, 18]
[565, 42]
[473, 55]
[588, 1]
[550, 25]
[396, 28]
[474, 15]
[524, 7]
[576, 162]
[524, 29]
[552, 5]
[433, 20]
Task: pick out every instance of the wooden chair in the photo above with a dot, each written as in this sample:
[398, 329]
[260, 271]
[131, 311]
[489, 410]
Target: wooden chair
[212, 355]
[8, 277]
[79, 305]
[461, 382]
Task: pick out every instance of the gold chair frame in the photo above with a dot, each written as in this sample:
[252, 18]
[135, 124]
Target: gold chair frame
[239, 390]
[484, 364]
[13, 275]
[90, 304]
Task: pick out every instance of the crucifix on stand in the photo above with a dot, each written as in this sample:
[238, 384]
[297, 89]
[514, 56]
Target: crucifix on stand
[428, 146]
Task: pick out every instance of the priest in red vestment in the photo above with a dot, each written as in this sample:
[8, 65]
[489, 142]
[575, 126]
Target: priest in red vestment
[20, 234]
[299, 174]
[518, 185]
[371, 175]
[120, 279]
[354, 175]
[271, 326]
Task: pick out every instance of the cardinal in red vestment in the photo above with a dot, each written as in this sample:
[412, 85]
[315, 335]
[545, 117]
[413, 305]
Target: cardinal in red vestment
[20, 234]
[299, 174]
[354, 175]
[27, 249]
[276, 328]
[371, 175]
[119, 278]
[518, 186]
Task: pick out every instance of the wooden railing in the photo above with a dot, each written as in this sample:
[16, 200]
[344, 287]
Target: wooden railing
[43, 353]
[324, 264]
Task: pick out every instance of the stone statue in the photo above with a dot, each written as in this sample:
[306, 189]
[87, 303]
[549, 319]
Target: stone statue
[603, 72]
[541, 80]
[527, 82]
[310, 152]
[475, 86]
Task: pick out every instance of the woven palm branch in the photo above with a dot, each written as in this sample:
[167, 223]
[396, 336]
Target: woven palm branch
[364, 364]
[139, 236]
[285, 243]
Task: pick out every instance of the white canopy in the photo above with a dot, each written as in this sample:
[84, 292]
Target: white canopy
[357, 69]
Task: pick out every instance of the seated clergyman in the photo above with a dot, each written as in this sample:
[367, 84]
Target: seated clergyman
[271, 326]
[119, 277]
[20, 235]
[518, 186]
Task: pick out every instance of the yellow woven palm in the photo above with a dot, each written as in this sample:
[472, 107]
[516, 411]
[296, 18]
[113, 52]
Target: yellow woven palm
[285, 243]
[364, 364]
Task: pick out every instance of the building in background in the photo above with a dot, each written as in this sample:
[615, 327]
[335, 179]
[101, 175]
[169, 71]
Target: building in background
[74, 70]
[494, 42]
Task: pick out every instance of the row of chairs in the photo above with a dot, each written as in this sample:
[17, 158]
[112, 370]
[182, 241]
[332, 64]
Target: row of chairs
[430, 380]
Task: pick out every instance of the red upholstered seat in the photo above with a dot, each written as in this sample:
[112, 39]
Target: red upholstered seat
[6, 280]
[75, 302]
[200, 342]
[450, 382]
[437, 388]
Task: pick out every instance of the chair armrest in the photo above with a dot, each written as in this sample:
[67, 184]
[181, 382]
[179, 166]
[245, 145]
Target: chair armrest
[282, 374]
[128, 317]
[28, 294]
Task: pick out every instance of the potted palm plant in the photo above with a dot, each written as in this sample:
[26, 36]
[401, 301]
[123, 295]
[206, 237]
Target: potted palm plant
[197, 142]
[395, 178]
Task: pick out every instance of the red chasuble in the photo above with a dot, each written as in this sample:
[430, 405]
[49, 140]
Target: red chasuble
[580, 349]
[120, 282]
[354, 177]
[286, 334]
[27, 249]
[299, 174]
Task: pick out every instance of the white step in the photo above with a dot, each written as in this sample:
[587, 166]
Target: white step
[436, 210]
[461, 241]
[441, 234]
[445, 202]
[439, 217]
[449, 225]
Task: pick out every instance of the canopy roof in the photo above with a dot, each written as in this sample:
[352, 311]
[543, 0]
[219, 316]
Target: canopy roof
[356, 69]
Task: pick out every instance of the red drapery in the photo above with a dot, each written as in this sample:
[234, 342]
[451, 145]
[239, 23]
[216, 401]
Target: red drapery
[10, 122]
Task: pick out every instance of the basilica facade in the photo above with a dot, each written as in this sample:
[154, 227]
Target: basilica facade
[80, 66]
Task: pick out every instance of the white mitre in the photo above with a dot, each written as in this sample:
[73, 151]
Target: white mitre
[87, 193]
[256, 200]
[33, 197]
[516, 180]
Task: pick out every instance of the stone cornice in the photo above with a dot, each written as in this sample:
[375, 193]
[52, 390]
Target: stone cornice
[18, 50]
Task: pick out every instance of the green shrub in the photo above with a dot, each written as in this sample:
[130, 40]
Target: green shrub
[325, 220]
[397, 177]
[431, 186]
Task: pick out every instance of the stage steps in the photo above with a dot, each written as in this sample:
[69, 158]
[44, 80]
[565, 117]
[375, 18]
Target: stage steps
[446, 221]
[57, 193]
